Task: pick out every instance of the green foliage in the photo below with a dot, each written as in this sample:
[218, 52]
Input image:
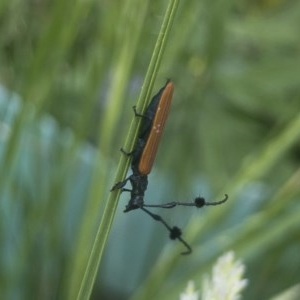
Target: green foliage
[70, 73]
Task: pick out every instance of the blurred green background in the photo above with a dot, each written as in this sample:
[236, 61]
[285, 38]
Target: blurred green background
[71, 72]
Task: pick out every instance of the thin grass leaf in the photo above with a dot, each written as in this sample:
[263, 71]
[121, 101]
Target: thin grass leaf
[111, 204]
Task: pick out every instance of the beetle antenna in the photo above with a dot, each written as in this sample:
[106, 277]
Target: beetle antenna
[215, 202]
[198, 202]
[175, 232]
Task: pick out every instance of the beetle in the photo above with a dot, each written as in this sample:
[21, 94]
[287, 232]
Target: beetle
[151, 129]
[143, 155]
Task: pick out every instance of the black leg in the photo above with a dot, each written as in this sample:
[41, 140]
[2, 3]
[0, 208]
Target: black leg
[125, 190]
[126, 153]
[120, 184]
[136, 113]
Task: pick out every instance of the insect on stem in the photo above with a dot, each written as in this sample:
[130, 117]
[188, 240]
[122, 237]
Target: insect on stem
[143, 156]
